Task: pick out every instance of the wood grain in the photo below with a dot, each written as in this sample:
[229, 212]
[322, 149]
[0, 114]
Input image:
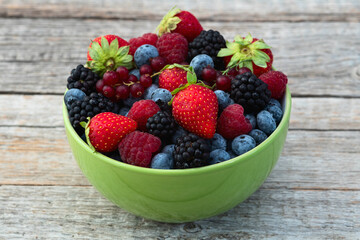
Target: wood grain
[310, 160]
[308, 52]
[307, 113]
[213, 10]
[80, 212]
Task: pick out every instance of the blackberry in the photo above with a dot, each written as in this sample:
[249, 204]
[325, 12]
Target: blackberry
[164, 106]
[208, 42]
[89, 107]
[250, 92]
[191, 151]
[162, 125]
[82, 78]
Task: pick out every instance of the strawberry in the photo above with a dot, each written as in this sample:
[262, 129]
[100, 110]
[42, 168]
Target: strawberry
[172, 76]
[195, 108]
[248, 52]
[107, 53]
[183, 22]
[105, 131]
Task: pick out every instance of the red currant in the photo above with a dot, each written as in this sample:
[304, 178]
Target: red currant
[208, 74]
[145, 80]
[99, 86]
[137, 90]
[223, 83]
[157, 63]
[122, 92]
[123, 73]
[232, 72]
[111, 78]
[108, 91]
[145, 69]
[243, 70]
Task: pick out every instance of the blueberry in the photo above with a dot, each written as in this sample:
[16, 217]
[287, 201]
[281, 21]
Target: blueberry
[162, 161]
[114, 155]
[276, 112]
[150, 90]
[200, 62]
[179, 133]
[252, 120]
[258, 135]
[224, 99]
[130, 101]
[144, 53]
[218, 156]
[124, 111]
[218, 142]
[73, 95]
[161, 94]
[135, 72]
[243, 143]
[169, 149]
[274, 102]
[232, 154]
[266, 122]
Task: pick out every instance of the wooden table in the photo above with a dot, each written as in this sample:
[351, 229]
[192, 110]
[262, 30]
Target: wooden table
[314, 190]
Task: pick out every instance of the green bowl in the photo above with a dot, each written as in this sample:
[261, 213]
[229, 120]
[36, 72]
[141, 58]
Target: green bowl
[180, 195]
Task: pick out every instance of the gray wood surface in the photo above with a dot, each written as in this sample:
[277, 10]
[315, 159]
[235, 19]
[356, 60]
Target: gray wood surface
[313, 191]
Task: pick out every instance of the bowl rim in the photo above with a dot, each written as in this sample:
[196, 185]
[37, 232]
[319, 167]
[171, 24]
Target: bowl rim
[183, 172]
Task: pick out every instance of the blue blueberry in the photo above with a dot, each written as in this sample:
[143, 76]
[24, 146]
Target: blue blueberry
[130, 101]
[161, 94]
[150, 90]
[162, 161]
[200, 62]
[242, 144]
[179, 133]
[135, 72]
[266, 122]
[169, 149]
[276, 112]
[218, 156]
[223, 98]
[258, 135]
[144, 53]
[124, 111]
[274, 102]
[73, 95]
[252, 120]
[218, 142]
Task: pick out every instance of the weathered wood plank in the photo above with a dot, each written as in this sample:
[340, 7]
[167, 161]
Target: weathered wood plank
[43, 51]
[307, 113]
[210, 10]
[310, 159]
[80, 212]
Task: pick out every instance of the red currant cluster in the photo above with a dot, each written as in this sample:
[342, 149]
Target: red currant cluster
[118, 85]
[223, 81]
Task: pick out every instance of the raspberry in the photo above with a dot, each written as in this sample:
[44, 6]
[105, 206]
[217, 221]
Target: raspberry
[173, 47]
[276, 82]
[232, 122]
[147, 38]
[137, 148]
[141, 111]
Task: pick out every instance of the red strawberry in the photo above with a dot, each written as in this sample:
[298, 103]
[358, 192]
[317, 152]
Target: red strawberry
[276, 82]
[232, 122]
[251, 53]
[105, 131]
[173, 47]
[195, 108]
[172, 77]
[137, 148]
[182, 22]
[107, 53]
[141, 111]
[147, 38]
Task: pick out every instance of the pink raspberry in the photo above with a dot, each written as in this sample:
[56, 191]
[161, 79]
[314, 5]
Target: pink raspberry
[232, 122]
[138, 148]
[276, 82]
[173, 47]
[147, 38]
[141, 111]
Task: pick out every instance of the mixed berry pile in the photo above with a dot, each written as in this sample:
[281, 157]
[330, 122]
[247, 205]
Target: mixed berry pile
[181, 98]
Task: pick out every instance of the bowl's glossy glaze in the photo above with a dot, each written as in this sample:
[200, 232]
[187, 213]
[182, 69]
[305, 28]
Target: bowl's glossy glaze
[180, 195]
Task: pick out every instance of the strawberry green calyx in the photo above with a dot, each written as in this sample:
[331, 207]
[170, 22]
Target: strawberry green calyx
[244, 52]
[108, 57]
[169, 22]
[87, 130]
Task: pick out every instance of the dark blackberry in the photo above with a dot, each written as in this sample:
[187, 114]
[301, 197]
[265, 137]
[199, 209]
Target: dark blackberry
[83, 79]
[89, 107]
[164, 106]
[162, 125]
[208, 42]
[191, 151]
[250, 92]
